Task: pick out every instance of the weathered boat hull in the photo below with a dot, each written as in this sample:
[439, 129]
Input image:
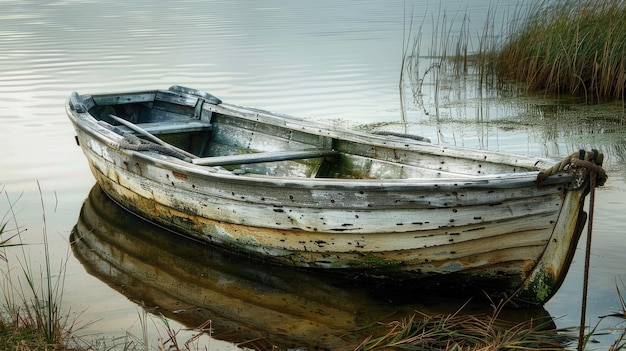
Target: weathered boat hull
[415, 211]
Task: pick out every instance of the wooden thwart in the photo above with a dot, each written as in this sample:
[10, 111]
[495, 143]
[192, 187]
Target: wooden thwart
[168, 127]
[262, 157]
[148, 135]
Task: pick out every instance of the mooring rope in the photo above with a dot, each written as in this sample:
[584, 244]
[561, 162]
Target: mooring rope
[583, 309]
[591, 160]
[133, 142]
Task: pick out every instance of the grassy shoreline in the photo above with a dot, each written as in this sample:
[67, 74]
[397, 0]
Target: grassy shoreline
[31, 315]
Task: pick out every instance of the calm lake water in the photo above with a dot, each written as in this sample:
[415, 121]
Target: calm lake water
[336, 61]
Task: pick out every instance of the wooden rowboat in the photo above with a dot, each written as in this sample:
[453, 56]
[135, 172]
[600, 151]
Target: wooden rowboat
[301, 194]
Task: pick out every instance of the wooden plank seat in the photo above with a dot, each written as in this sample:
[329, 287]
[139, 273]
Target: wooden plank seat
[261, 157]
[168, 127]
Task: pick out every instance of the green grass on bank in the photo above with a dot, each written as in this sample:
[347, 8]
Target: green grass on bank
[568, 47]
[31, 317]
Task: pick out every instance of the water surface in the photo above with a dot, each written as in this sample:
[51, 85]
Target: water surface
[335, 61]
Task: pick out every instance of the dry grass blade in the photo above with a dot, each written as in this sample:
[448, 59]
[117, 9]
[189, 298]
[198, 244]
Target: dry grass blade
[204, 328]
[621, 300]
[171, 335]
[171, 342]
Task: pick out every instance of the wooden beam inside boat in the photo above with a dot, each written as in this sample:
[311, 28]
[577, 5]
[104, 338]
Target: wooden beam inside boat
[148, 135]
[169, 127]
[262, 157]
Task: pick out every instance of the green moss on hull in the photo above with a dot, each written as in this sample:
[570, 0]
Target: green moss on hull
[374, 262]
[539, 288]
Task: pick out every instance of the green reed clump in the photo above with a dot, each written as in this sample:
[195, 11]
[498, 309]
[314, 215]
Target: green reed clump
[573, 47]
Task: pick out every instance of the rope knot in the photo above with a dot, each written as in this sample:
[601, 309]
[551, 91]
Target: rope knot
[589, 160]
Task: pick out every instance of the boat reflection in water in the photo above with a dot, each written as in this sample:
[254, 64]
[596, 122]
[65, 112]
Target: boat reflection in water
[277, 307]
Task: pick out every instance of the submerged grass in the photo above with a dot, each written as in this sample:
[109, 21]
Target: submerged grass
[459, 331]
[486, 332]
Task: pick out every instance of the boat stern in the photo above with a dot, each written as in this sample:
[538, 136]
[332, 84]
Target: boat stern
[551, 269]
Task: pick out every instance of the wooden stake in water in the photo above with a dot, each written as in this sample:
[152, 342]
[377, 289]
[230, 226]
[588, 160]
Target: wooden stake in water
[583, 312]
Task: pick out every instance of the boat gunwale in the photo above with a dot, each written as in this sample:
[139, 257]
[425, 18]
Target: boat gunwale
[86, 122]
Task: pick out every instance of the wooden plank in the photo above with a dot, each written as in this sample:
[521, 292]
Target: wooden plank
[174, 98]
[143, 132]
[170, 127]
[262, 157]
[268, 132]
[129, 98]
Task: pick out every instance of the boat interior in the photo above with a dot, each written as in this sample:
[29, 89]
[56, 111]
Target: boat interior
[250, 141]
